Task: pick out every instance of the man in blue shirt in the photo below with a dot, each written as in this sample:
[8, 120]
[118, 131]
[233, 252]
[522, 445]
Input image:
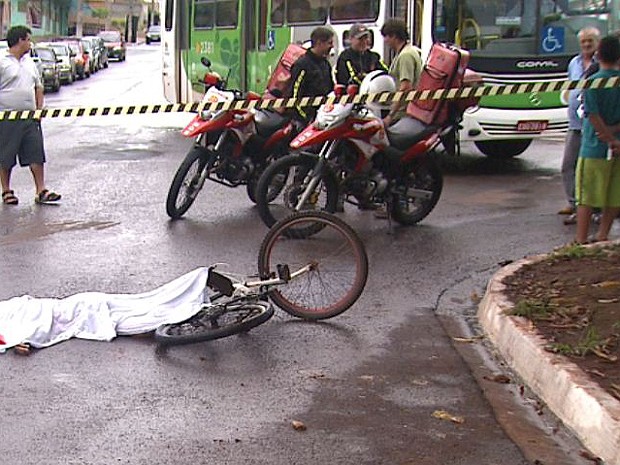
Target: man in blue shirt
[598, 166]
[588, 42]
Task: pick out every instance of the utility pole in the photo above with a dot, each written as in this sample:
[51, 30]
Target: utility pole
[78, 19]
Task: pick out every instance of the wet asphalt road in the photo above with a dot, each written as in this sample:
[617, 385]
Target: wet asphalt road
[365, 384]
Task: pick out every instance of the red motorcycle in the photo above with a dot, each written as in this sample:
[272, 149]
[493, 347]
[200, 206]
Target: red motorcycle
[362, 162]
[231, 147]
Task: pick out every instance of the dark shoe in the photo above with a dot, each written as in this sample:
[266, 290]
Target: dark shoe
[567, 210]
[8, 198]
[571, 219]
[47, 197]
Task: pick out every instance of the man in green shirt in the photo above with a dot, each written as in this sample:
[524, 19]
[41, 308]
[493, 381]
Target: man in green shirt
[406, 66]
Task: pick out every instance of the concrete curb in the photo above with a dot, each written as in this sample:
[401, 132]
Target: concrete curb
[592, 413]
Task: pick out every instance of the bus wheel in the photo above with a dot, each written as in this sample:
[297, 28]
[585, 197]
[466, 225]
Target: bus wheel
[503, 148]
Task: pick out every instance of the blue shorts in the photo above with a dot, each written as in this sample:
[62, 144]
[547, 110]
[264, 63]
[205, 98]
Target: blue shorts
[21, 139]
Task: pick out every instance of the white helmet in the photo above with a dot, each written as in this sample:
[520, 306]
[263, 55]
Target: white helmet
[376, 82]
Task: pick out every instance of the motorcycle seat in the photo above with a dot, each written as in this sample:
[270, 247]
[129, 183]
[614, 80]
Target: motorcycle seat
[407, 131]
[268, 121]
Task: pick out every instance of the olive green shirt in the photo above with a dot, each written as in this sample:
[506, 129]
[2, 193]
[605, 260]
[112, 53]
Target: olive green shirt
[407, 65]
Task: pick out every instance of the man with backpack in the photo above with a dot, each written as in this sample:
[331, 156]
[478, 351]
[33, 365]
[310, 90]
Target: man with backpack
[312, 73]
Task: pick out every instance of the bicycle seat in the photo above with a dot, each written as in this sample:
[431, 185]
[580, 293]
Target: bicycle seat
[407, 131]
[268, 122]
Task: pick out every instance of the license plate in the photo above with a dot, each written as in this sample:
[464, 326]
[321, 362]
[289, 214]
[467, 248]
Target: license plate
[532, 126]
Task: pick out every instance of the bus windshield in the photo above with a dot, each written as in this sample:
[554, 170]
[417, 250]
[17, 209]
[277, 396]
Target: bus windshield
[519, 27]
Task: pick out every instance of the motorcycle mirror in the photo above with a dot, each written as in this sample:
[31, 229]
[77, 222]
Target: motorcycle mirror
[339, 90]
[205, 62]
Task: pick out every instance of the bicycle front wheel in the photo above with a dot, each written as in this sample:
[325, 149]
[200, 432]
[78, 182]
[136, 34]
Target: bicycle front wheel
[328, 269]
[214, 322]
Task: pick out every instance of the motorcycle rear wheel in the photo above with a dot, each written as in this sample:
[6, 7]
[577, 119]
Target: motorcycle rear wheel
[283, 182]
[425, 181]
[186, 183]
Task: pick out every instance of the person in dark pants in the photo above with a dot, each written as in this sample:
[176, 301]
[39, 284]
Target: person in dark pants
[312, 73]
[578, 68]
[21, 89]
[357, 60]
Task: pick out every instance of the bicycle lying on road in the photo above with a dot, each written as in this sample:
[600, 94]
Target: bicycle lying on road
[311, 277]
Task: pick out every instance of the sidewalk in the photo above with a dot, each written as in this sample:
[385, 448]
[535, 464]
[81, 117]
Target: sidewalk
[584, 407]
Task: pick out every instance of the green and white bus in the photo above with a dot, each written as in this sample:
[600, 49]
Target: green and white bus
[511, 41]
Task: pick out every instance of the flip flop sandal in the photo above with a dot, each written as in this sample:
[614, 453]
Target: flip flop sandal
[47, 197]
[8, 198]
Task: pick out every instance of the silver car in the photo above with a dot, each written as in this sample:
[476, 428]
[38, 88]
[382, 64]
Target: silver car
[66, 63]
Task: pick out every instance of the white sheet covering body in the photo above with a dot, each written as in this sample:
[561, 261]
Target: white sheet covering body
[99, 316]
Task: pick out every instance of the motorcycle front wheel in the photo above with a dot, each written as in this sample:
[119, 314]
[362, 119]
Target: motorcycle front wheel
[186, 182]
[417, 192]
[282, 184]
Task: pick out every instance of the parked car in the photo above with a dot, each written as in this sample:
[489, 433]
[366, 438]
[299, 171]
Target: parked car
[115, 44]
[101, 48]
[50, 73]
[77, 51]
[153, 33]
[66, 64]
[93, 54]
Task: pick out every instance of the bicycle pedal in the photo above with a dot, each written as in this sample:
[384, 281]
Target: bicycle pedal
[284, 273]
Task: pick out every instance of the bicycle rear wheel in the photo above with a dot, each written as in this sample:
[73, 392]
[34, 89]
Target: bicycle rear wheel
[215, 321]
[328, 269]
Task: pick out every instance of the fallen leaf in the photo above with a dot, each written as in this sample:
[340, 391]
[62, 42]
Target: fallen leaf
[475, 298]
[502, 379]
[298, 425]
[609, 358]
[443, 415]
[607, 284]
[608, 301]
[467, 339]
[367, 377]
[589, 456]
[597, 373]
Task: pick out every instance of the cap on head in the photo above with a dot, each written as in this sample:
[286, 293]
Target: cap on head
[358, 31]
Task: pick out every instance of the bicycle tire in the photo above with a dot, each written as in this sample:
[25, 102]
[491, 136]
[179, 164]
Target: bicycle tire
[272, 186]
[204, 326]
[185, 186]
[338, 259]
[422, 176]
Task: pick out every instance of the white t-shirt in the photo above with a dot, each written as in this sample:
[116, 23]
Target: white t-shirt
[18, 79]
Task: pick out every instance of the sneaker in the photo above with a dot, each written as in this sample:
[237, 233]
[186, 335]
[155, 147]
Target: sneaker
[571, 219]
[567, 210]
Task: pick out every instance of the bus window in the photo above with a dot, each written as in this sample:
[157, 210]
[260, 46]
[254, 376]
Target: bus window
[352, 10]
[226, 13]
[307, 11]
[169, 11]
[262, 24]
[277, 12]
[204, 14]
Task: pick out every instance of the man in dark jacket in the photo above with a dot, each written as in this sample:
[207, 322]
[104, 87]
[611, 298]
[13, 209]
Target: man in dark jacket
[312, 73]
[357, 60]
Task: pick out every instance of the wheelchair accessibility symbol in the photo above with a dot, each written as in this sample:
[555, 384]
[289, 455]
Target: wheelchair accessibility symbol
[552, 40]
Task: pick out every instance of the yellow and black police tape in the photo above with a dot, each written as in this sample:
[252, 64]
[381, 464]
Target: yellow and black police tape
[280, 103]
